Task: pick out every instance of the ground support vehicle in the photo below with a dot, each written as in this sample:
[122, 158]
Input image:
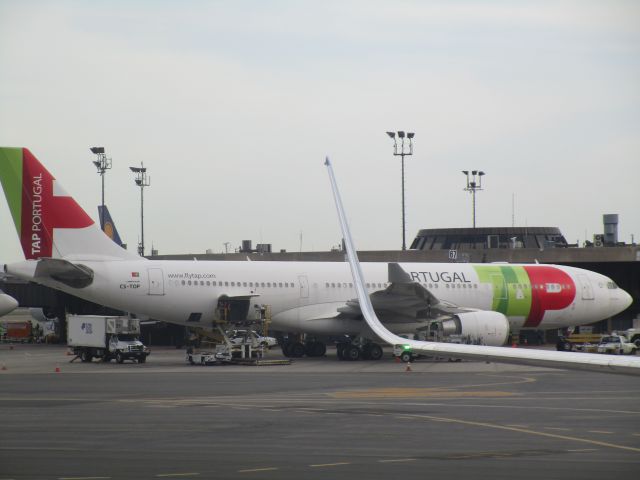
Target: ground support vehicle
[581, 342]
[241, 349]
[106, 338]
[633, 334]
[617, 345]
[16, 332]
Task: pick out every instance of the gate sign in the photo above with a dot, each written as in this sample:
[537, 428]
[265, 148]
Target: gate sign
[453, 254]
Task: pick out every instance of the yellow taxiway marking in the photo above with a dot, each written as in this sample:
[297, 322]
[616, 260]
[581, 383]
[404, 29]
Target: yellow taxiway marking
[322, 465]
[419, 392]
[607, 432]
[397, 460]
[527, 431]
[561, 429]
[166, 475]
[576, 450]
[83, 478]
[263, 469]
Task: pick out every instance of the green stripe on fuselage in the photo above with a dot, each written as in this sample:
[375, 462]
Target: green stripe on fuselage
[511, 288]
[11, 179]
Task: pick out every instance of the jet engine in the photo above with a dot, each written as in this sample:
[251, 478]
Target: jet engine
[481, 327]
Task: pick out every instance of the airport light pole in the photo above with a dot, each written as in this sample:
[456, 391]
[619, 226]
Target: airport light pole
[102, 164]
[474, 184]
[400, 151]
[141, 181]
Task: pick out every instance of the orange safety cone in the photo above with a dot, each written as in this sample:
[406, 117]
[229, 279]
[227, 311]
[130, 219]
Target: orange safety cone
[514, 345]
[397, 359]
[58, 369]
[408, 369]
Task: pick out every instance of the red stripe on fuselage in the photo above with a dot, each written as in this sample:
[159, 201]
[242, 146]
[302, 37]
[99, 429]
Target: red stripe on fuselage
[543, 300]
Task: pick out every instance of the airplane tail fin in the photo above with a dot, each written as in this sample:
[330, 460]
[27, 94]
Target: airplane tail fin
[50, 224]
[109, 226]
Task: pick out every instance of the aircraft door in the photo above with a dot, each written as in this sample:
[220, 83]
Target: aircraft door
[156, 281]
[304, 286]
[586, 287]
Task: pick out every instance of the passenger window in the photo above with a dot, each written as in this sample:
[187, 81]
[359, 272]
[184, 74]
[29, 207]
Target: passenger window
[280, 284]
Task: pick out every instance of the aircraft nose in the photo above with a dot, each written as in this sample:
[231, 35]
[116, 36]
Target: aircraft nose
[627, 299]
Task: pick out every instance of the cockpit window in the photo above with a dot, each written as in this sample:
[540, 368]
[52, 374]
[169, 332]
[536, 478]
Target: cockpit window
[612, 285]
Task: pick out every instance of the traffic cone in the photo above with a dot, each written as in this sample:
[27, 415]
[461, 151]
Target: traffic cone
[408, 369]
[57, 369]
[514, 345]
[397, 359]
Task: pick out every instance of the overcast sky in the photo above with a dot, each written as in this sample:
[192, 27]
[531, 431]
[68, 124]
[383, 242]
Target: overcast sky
[232, 106]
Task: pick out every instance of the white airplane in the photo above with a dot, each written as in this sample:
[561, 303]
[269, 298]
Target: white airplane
[573, 360]
[7, 303]
[66, 250]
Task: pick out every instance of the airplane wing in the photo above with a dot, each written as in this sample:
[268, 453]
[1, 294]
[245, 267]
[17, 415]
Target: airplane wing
[543, 358]
[404, 300]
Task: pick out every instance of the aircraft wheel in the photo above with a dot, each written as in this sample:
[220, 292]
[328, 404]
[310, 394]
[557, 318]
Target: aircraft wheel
[296, 350]
[85, 356]
[406, 357]
[375, 351]
[340, 350]
[352, 353]
[285, 348]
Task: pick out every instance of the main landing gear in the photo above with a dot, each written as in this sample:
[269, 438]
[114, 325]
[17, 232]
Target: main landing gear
[297, 349]
[353, 351]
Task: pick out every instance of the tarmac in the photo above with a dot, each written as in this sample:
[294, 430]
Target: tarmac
[315, 418]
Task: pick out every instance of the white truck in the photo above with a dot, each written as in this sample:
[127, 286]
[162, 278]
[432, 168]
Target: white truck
[616, 345]
[92, 336]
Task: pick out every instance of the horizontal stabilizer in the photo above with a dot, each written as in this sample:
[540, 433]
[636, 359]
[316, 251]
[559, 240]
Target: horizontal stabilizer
[63, 271]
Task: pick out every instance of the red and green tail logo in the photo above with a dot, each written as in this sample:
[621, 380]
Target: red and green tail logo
[37, 204]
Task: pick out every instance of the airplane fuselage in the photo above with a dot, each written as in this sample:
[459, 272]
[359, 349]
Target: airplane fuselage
[305, 296]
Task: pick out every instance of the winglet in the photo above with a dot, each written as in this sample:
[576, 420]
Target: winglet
[542, 358]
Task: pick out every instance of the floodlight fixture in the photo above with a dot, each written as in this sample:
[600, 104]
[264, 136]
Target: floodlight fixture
[102, 164]
[474, 184]
[401, 153]
[141, 181]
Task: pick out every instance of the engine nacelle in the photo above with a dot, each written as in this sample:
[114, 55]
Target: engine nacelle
[483, 327]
